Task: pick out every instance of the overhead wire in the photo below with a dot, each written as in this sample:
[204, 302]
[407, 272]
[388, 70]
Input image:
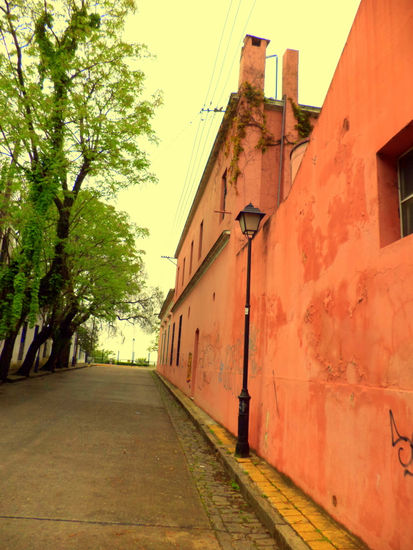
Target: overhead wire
[202, 137]
[217, 120]
[236, 52]
[226, 51]
[218, 49]
[186, 186]
[213, 119]
[172, 141]
[194, 162]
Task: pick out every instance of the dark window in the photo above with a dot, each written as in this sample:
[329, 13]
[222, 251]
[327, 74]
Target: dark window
[178, 348]
[162, 338]
[191, 257]
[165, 359]
[201, 236]
[405, 170]
[223, 194]
[183, 272]
[395, 186]
[172, 345]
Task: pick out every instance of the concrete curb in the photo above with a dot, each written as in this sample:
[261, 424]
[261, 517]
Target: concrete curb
[283, 533]
[13, 378]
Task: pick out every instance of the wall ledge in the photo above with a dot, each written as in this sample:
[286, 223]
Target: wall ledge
[209, 259]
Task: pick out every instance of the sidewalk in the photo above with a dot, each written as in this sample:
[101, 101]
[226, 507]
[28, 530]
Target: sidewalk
[293, 519]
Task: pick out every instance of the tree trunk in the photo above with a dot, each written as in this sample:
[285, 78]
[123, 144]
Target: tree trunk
[73, 361]
[53, 282]
[59, 357]
[63, 359]
[50, 364]
[7, 354]
[40, 339]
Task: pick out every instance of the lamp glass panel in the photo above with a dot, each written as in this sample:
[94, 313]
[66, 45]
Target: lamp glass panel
[242, 222]
[252, 221]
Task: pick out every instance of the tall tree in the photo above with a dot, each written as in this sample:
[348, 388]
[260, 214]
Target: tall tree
[105, 278]
[72, 113]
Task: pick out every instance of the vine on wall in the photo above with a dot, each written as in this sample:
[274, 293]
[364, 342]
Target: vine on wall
[250, 113]
[303, 126]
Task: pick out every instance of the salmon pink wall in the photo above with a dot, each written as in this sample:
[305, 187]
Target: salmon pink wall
[331, 341]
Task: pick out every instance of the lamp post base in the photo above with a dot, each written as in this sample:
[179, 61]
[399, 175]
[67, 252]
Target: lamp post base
[242, 448]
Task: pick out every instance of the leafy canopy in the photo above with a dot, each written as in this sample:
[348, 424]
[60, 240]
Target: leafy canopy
[72, 115]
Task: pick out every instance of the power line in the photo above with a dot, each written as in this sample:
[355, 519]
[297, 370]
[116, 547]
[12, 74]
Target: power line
[220, 99]
[218, 49]
[203, 130]
[191, 160]
[188, 175]
[226, 51]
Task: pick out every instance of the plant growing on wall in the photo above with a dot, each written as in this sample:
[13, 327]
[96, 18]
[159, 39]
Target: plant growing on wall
[303, 126]
[250, 114]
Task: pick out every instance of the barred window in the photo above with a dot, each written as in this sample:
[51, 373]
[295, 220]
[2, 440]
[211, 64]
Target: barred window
[405, 171]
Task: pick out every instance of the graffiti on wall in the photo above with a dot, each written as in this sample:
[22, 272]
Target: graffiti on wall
[404, 447]
[189, 368]
[224, 364]
[231, 363]
[207, 360]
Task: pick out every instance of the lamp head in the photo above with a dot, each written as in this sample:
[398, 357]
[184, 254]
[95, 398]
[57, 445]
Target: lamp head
[249, 220]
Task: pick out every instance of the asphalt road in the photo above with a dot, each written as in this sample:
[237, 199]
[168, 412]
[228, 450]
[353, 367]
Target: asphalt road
[90, 459]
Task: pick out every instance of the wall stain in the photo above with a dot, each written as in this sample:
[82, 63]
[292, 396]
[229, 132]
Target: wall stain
[275, 392]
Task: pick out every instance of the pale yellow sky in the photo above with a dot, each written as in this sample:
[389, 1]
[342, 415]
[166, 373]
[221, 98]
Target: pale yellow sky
[197, 47]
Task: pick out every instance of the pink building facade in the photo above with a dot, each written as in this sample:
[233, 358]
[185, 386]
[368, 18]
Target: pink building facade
[331, 340]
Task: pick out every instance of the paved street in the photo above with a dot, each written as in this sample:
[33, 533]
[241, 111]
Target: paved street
[104, 458]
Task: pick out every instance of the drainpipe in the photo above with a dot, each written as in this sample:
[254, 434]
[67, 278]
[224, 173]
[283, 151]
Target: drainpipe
[280, 167]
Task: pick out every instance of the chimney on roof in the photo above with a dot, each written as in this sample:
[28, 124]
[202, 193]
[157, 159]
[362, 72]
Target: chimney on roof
[252, 65]
[290, 75]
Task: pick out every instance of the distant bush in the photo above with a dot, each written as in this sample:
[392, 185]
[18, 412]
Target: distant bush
[137, 363]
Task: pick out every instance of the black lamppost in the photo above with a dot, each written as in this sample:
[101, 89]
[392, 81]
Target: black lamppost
[249, 220]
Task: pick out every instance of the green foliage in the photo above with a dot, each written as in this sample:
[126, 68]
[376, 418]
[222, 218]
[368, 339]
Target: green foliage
[105, 266]
[250, 113]
[73, 115]
[234, 485]
[103, 356]
[254, 96]
[303, 126]
[154, 345]
[87, 338]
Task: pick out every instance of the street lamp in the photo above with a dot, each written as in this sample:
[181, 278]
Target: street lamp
[133, 350]
[249, 220]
